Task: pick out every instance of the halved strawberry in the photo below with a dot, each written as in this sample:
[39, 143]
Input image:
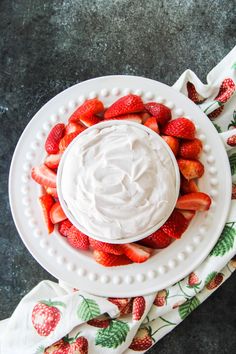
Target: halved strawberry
[188, 186]
[44, 176]
[180, 128]
[194, 201]
[124, 304]
[74, 127]
[51, 191]
[175, 225]
[193, 94]
[144, 116]
[172, 142]
[136, 253]
[159, 239]
[89, 121]
[126, 104]
[57, 214]
[110, 260]
[190, 149]
[152, 124]
[104, 246]
[66, 140]
[46, 202]
[160, 111]
[188, 214]
[190, 168]
[64, 226]
[88, 109]
[54, 137]
[77, 239]
[52, 161]
[133, 117]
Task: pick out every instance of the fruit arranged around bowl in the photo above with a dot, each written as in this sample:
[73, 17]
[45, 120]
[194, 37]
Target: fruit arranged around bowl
[178, 133]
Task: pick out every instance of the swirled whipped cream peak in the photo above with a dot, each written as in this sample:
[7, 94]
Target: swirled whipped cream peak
[118, 181]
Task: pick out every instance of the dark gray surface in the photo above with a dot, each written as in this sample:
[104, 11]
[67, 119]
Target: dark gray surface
[47, 46]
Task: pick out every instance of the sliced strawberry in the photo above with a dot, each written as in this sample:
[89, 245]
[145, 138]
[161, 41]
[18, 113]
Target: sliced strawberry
[44, 176]
[126, 104]
[194, 201]
[77, 239]
[175, 225]
[193, 94]
[110, 260]
[190, 149]
[52, 161]
[159, 239]
[188, 214]
[152, 124]
[46, 202]
[104, 246]
[74, 127]
[190, 168]
[160, 111]
[136, 253]
[57, 214]
[172, 142]
[180, 128]
[133, 117]
[89, 121]
[54, 137]
[144, 116]
[88, 109]
[64, 226]
[124, 304]
[188, 186]
[51, 191]
[66, 140]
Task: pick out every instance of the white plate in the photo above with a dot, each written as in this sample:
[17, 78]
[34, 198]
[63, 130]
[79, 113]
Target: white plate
[79, 268]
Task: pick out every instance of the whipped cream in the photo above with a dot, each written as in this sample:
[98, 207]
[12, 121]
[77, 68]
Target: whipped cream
[118, 181]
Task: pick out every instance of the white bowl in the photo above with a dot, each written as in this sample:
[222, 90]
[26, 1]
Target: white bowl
[73, 218]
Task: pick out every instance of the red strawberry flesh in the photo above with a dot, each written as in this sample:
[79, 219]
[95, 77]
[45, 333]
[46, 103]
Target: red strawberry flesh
[194, 201]
[126, 104]
[44, 176]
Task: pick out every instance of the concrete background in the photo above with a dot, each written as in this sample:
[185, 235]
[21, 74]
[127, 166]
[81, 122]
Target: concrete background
[47, 46]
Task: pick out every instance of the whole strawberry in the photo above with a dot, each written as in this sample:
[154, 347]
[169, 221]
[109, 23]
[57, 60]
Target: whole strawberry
[180, 128]
[159, 111]
[45, 317]
[215, 282]
[142, 340]
[99, 323]
[193, 94]
[160, 299]
[124, 304]
[126, 104]
[60, 347]
[54, 137]
[232, 140]
[227, 89]
[193, 280]
[79, 346]
[139, 305]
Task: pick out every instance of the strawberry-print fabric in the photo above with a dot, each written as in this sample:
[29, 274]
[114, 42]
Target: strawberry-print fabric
[53, 318]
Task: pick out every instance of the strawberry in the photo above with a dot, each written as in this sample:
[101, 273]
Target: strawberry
[66, 140]
[52, 161]
[172, 142]
[139, 305]
[159, 239]
[64, 226]
[190, 168]
[126, 104]
[193, 95]
[142, 340]
[213, 115]
[88, 109]
[188, 186]
[46, 201]
[231, 141]
[193, 280]
[194, 201]
[89, 121]
[160, 299]
[233, 262]
[54, 137]
[74, 127]
[110, 260]
[79, 346]
[160, 111]
[60, 347]
[188, 214]
[175, 225]
[180, 128]
[44, 176]
[104, 246]
[45, 317]
[124, 304]
[51, 191]
[152, 124]
[99, 323]
[190, 149]
[233, 196]
[57, 214]
[136, 253]
[144, 116]
[133, 117]
[77, 239]
[215, 282]
[227, 89]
